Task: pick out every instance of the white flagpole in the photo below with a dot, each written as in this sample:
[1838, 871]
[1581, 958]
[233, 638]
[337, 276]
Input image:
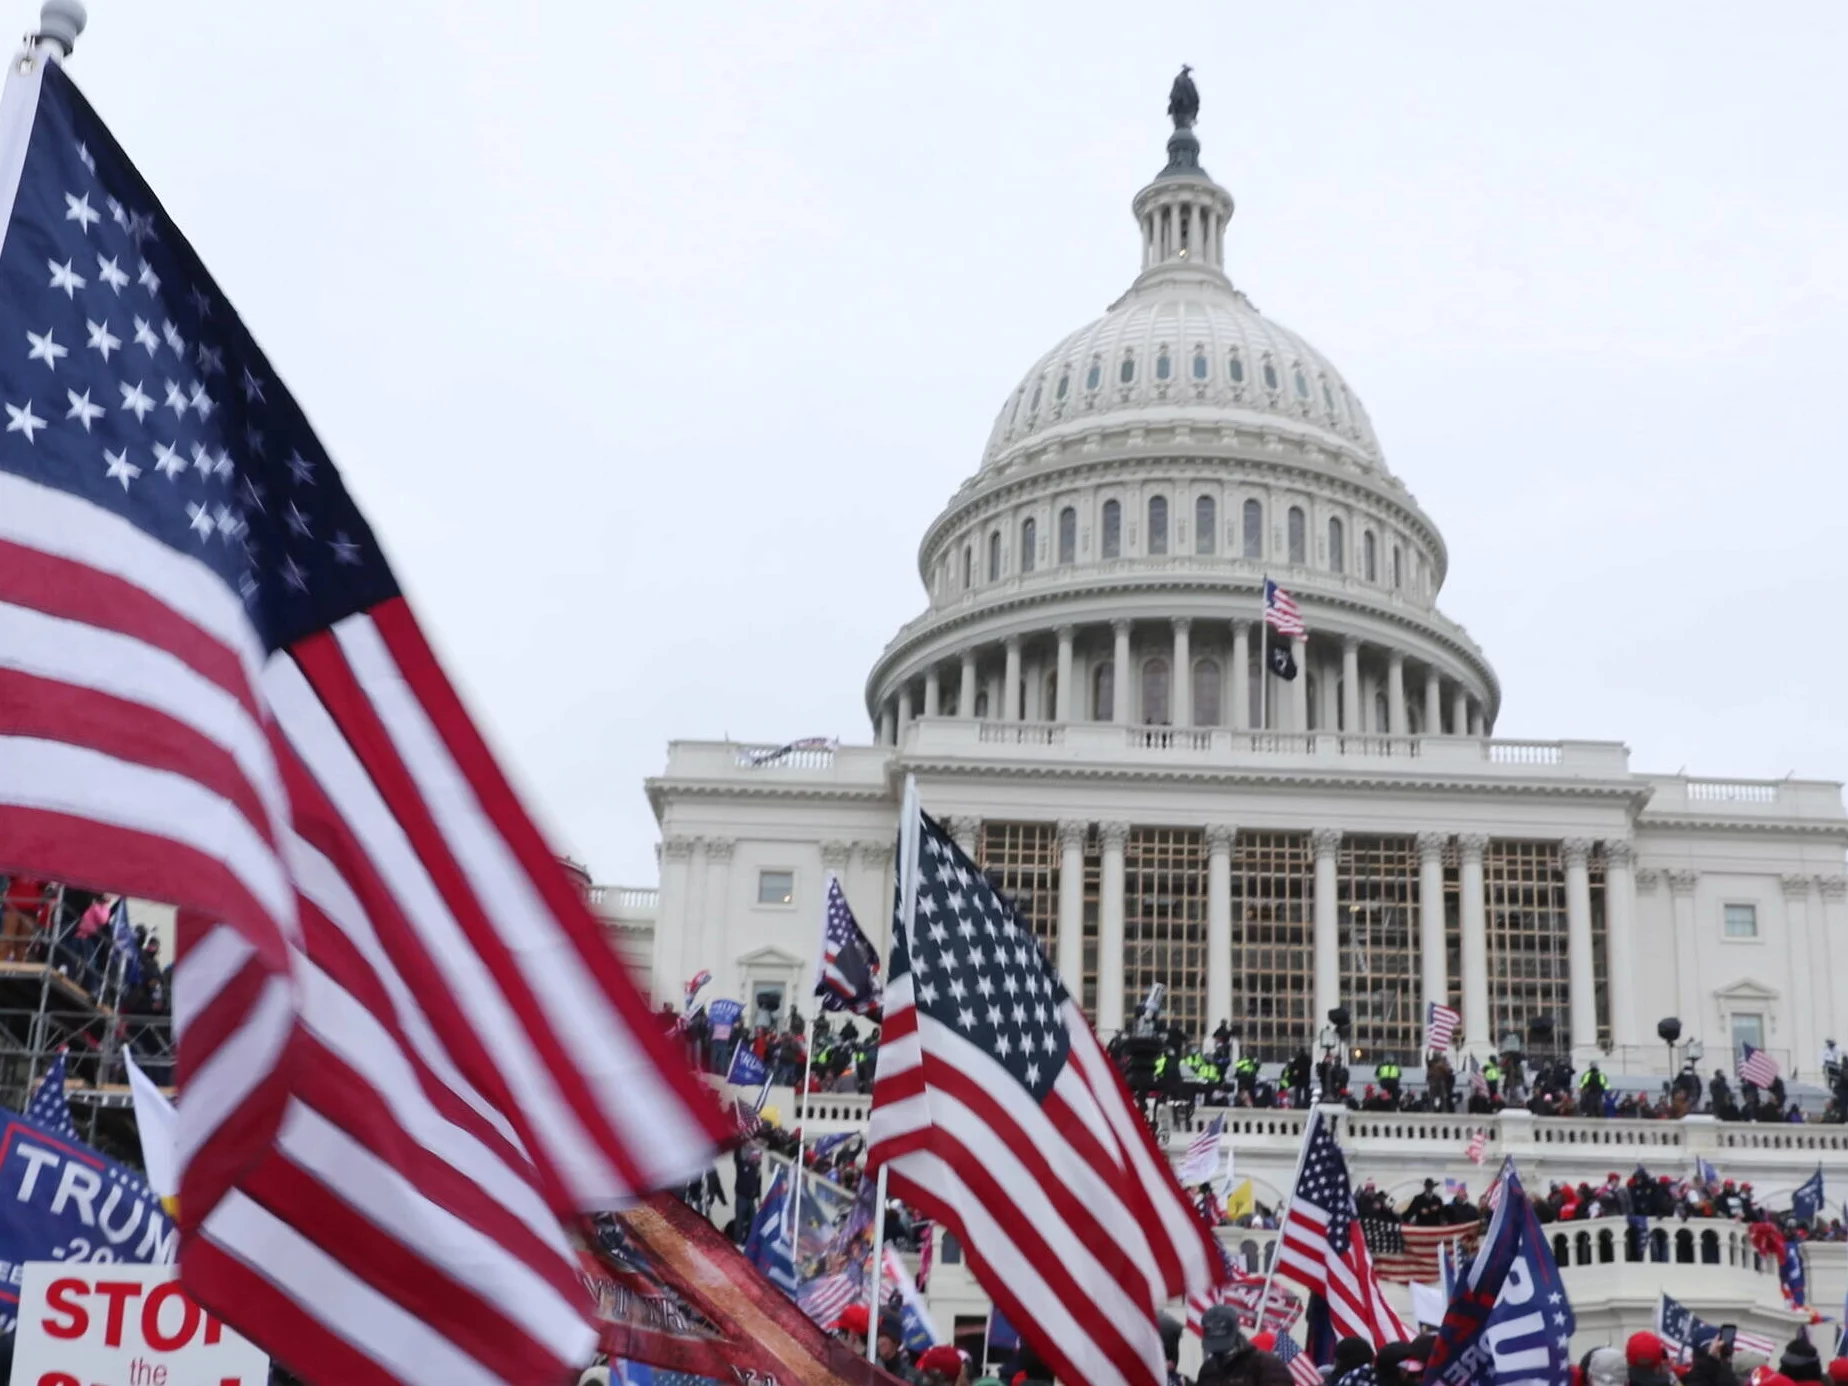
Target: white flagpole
[1263, 654]
[874, 1276]
[808, 1046]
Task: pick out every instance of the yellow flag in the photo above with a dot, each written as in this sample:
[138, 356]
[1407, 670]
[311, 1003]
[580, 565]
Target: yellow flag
[1241, 1202]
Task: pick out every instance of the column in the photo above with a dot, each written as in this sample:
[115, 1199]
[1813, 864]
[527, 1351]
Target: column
[996, 687]
[1350, 686]
[1475, 930]
[1620, 939]
[904, 709]
[871, 893]
[670, 923]
[1475, 718]
[1690, 1005]
[933, 692]
[1218, 924]
[1010, 681]
[965, 699]
[1395, 694]
[1459, 711]
[1328, 695]
[1110, 932]
[1239, 680]
[1831, 938]
[1066, 696]
[1070, 961]
[1180, 688]
[692, 924]
[1433, 956]
[1434, 704]
[1800, 1021]
[1581, 976]
[888, 728]
[1119, 680]
[1327, 927]
[1299, 687]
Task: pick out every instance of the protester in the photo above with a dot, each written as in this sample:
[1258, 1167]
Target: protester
[1232, 1361]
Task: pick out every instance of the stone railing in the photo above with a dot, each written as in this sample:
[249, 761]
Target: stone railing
[1679, 796]
[607, 897]
[1696, 1241]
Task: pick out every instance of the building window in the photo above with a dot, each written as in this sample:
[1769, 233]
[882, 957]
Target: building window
[994, 556]
[1273, 884]
[1021, 860]
[1199, 365]
[1155, 692]
[1270, 376]
[1205, 693]
[1254, 529]
[1376, 908]
[1328, 400]
[1094, 376]
[1065, 383]
[1301, 382]
[1398, 568]
[1529, 974]
[1014, 417]
[1158, 524]
[968, 566]
[1235, 367]
[1103, 692]
[1206, 525]
[776, 887]
[1164, 922]
[1369, 557]
[1126, 373]
[1299, 536]
[1382, 714]
[1337, 536]
[1029, 545]
[1033, 404]
[1113, 529]
[1747, 1029]
[1741, 921]
[1163, 366]
[1068, 535]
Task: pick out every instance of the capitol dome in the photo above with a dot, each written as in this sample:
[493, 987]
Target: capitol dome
[1107, 559]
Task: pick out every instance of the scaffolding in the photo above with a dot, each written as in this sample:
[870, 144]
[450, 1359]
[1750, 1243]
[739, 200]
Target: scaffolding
[63, 993]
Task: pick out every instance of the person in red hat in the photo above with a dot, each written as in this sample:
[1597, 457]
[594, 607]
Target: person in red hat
[942, 1365]
[1838, 1371]
[1647, 1360]
[853, 1325]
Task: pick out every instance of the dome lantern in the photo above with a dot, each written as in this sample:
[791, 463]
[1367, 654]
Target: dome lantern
[1183, 213]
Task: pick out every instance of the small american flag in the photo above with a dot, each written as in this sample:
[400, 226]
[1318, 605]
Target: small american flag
[1323, 1249]
[1201, 1162]
[1243, 1290]
[1756, 1067]
[1440, 1026]
[1303, 1370]
[408, 1052]
[997, 1113]
[1478, 1081]
[847, 976]
[1407, 1253]
[1478, 1144]
[1280, 611]
[823, 1298]
[50, 1107]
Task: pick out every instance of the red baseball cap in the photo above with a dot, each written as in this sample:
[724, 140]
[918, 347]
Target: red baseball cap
[1265, 1341]
[1644, 1350]
[941, 1358]
[855, 1318]
[1838, 1370]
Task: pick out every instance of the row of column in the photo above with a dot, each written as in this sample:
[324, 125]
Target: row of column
[1465, 712]
[1620, 928]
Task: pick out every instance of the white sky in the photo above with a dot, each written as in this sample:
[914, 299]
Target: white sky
[651, 337]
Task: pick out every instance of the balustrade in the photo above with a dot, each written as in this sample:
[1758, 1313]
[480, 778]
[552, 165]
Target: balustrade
[1696, 1241]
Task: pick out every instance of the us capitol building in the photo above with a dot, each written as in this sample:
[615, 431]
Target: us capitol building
[1080, 698]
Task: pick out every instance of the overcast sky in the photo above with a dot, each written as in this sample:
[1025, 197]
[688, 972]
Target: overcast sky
[652, 337]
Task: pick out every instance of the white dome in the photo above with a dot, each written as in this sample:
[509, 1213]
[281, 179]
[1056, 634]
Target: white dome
[1225, 362]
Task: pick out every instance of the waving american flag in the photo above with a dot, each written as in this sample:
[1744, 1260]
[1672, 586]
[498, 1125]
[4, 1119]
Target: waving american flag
[407, 1050]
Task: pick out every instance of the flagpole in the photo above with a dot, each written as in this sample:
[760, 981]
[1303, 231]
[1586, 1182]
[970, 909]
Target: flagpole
[808, 1043]
[874, 1270]
[1263, 654]
[1270, 1274]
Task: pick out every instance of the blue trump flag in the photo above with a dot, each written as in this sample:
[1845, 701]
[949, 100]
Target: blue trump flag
[768, 1246]
[62, 1201]
[1510, 1323]
[747, 1070]
[1806, 1202]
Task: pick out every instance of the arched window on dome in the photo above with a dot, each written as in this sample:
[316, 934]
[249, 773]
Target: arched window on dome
[968, 566]
[1270, 376]
[1206, 693]
[1206, 525]
[1235, 367]
[1199, 363]
[1103, 692]
[1301, 382]
[994, 556]
[1299, 535]
[1398, 568]
[1158, 525]
[1068, 535]
[1164, 367]
[1029, 544]
[1337, 546]
[1370, 557]
[1095, 376]
[1126, 372]
[1033, 404]
[1065, 385]
[1328, 399]
[1382, 714]
[1254, 529]
[1112, 546]
[1155, 692]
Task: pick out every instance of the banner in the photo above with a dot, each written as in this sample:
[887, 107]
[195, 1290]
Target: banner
[723, 1018]
[110, 1323]
[919, 1332]
[747, 1070]
[62, 1201]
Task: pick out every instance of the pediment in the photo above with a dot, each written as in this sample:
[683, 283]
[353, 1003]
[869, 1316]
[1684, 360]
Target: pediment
[769, 956]
[1746, 989]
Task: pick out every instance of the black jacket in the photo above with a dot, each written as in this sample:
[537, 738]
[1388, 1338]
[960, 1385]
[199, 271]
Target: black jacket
[1244, 1367]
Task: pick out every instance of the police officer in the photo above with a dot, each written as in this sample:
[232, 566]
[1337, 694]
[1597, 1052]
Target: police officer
[1592, 1086]
[1388, 1075]
[1492, 1075]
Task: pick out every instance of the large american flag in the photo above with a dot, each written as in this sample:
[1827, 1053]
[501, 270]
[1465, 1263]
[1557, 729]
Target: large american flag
[997, 1113]
[407, 1051]
[1407, 1252]
[1441, 1023]
[1756, 1067]
[1322, 1247]
[1281, 612]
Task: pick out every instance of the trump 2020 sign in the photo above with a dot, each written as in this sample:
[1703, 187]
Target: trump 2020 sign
[115, 1325]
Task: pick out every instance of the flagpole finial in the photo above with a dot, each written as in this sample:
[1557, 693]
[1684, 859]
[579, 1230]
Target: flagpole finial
[60, 21]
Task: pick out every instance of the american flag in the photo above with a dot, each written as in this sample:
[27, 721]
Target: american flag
[50, 1106]
[997, 1114]
[847, 977]
[1405, 1252]
[1684, 1330]
[1201, 1162]
[1323, 1250]
[1756, 1067]
[1440, 1026]
[1303, 1370]
[408, 1052]
[1280, 611]
[1243, 1291]
[824, 1297]
[1478, 1081]
[1478, 1144]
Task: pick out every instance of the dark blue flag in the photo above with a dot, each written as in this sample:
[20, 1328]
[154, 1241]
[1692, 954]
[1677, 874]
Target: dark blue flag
[50, 1106]
[768, 1246]
[747, 1070]
[122, 940]
[1510, 1321]
[1792, 1276]
[1806, 1202]
[847, 972]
